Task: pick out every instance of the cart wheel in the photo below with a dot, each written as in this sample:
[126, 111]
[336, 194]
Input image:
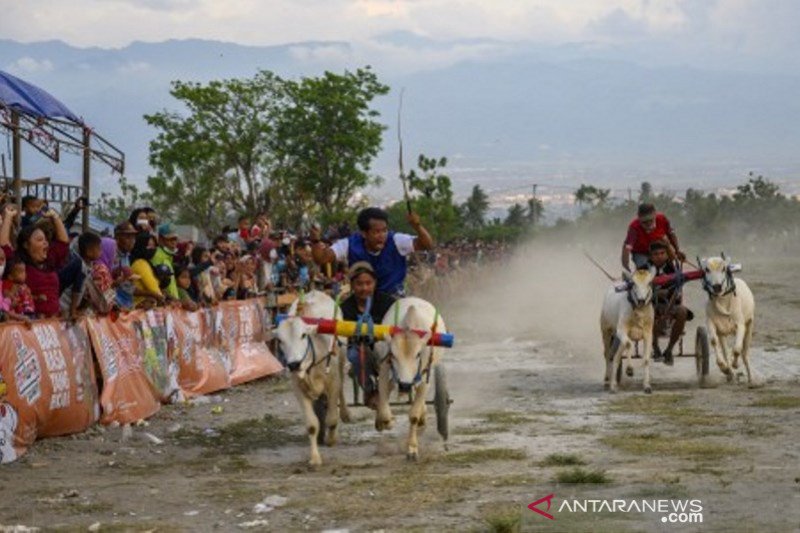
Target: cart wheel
[701, 354]
[441, 400]
[321, 410]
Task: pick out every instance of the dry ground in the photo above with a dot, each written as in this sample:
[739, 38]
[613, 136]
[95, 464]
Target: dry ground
[530, 418]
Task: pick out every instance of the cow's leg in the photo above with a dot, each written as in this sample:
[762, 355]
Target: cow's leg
[616, 359]
[383, 415]
[312, 424]
[719, 349]
[647, 355]
[608, 340]
[333, 387]
[344, 411]
[416, 419]
[748, 336]
[738, 343]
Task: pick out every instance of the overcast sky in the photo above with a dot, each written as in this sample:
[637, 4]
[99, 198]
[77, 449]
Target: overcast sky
[750, 31]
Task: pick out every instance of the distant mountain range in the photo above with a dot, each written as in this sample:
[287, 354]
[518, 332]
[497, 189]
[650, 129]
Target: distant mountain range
[507, 115]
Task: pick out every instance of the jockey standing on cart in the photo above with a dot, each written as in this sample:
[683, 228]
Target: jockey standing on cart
[649, 226]
[385, 250]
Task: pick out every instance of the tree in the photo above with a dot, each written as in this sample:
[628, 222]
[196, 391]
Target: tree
[757, 188]
[592, 196]
[516, 216]
[432, 195]
[325, 141]
[474, 210]
[216, 158]
[535, 211]
[265, 143]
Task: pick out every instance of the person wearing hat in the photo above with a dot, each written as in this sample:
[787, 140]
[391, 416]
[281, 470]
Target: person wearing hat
[363, 283]
[167, 248]
[648, 227]
[385, 250]
[125, 236]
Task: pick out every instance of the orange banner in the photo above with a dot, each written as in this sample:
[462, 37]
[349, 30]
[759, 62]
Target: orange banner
[127, 394]
[47, 384]
[241, 334]
[202, 367]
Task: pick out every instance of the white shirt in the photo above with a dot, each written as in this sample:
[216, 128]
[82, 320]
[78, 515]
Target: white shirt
[403, 241]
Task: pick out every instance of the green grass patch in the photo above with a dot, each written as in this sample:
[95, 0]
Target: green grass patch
[582, 475]
[778, 402]
[562, 459]
[241, 437]
[483, 455]
[505, 519]
[674, 445]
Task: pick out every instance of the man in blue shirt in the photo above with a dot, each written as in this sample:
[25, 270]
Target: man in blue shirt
[384, 250]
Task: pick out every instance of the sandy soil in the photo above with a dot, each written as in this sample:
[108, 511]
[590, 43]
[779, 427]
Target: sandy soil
[530, 418]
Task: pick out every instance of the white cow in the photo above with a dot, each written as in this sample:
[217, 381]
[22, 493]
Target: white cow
[627, 317]
[729, 312]
[406, 359]
[316, 362]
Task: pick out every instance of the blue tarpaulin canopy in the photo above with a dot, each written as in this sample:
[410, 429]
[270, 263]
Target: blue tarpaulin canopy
[23, 97]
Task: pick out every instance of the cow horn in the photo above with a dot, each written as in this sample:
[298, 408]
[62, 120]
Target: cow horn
[722, 255]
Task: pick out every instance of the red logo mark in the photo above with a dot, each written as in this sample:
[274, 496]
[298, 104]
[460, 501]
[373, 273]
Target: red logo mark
[547, 499]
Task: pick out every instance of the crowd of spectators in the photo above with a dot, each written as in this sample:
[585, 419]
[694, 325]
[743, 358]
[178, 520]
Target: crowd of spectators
[48, 271]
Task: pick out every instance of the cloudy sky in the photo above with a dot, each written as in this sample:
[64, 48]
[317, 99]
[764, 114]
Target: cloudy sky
[749, 32]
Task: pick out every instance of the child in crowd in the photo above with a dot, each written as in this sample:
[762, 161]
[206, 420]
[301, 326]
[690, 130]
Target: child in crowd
[183, 279]
[19, 295]
[78, 288]
[6, 309]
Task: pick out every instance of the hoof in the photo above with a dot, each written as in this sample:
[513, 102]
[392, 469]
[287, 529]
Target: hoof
[629, 371]
[606, 386]
[315, 462]
[648, 390]
[755, 384]
[729, 376]
[383, 423]
[612, 390]
[412, 456]
[345, 416]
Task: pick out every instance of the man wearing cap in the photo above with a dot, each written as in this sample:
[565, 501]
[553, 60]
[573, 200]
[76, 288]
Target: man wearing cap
[363, 282]
[649, 226]
[384, 250]
[167, 248]
[125, 237]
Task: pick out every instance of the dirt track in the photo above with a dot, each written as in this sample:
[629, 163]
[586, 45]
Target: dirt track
[527, 382]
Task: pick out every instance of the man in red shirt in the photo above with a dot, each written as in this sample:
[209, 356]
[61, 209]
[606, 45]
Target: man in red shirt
[649, 226]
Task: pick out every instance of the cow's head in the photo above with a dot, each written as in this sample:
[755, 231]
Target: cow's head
[640, 286]
[409, 350]
[717, 275]
[300, 344]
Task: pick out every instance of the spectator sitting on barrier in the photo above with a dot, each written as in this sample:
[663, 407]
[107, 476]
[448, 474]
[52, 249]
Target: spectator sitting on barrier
[77, 285]
[147, 292]
[42, 258]
[167, 248]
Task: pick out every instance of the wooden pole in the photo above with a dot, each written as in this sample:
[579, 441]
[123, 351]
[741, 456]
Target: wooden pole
[87, 169]
[16, 151]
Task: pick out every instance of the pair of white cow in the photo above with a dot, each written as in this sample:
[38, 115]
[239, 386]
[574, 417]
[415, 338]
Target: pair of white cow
[317, 363]
[628, 316]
